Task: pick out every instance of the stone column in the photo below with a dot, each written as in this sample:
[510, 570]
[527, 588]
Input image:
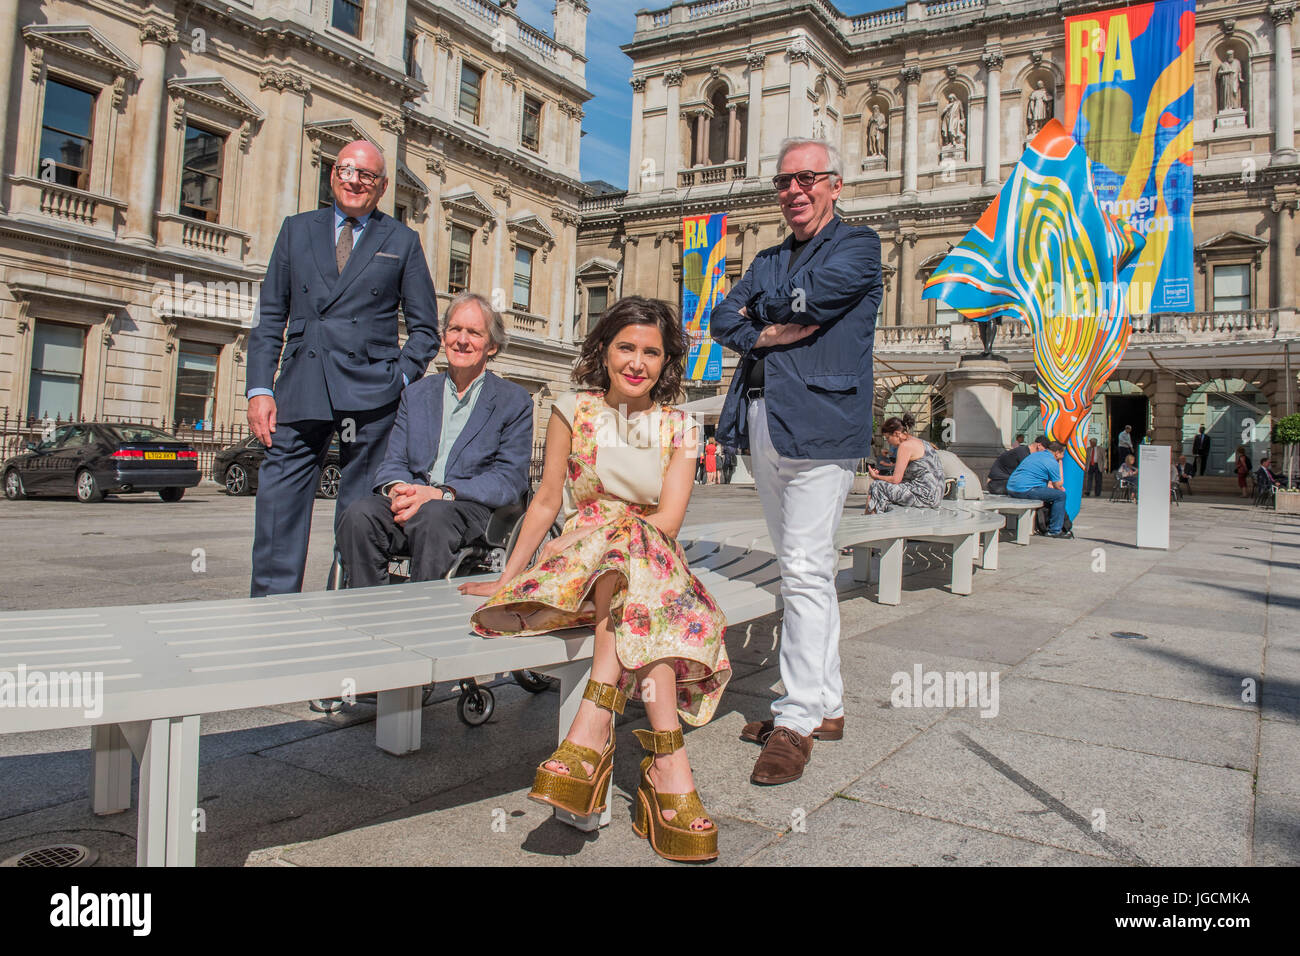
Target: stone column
[441, 56]
[906, 242]
[1283, 114]
[981, 408]
[754, 115]
[392, 126]
[570, 279]
[146, 132]
[1285, 301]
[8, 43]
[1165, 414]
[911, 80]
[433, 221]
[993, 61]
[701, 157]
[285, 145]
[634, 156]
[733, 134]
[673, 139]
[800, 115]
[498, 225]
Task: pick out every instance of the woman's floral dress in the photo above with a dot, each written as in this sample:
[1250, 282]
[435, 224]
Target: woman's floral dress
[659, 611]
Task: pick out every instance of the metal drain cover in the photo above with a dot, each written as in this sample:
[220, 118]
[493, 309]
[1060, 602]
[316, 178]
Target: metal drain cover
[1129, 635]
[60, 854]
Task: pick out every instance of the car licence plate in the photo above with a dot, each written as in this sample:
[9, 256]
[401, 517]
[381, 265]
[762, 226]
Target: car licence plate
[160, 456]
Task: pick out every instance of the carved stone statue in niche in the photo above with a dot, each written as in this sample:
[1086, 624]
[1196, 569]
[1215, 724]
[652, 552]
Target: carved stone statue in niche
[952, 125]
[877, 127]
[1039, 109]
[1228, 84]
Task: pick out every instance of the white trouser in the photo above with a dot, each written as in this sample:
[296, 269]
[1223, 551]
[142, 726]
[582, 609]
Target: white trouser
[803, 501]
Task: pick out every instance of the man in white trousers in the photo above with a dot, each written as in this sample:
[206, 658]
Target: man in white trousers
[803, 318]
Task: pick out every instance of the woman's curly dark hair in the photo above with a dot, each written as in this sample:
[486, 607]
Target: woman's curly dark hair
[590, 369]
[896, 424]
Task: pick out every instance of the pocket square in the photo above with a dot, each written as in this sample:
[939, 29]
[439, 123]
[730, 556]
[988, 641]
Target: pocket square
[386, 255]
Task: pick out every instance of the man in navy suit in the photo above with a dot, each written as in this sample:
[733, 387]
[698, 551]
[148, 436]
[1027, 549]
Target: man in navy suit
[804, 317]
[460, 448]
[334, 284]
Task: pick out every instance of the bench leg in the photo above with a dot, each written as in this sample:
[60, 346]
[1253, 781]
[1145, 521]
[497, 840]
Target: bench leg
[168, 751]
[573, 681]
[397, 723]
[890, 587]
[1024, 526]
[963, 563]
[864, 565]
[110, 770]
[989, 557]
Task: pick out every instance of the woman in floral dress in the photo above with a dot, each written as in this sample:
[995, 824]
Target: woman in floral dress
[621, 464]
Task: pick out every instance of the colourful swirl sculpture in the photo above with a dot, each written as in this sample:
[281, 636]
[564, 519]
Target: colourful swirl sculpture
[1045, 252]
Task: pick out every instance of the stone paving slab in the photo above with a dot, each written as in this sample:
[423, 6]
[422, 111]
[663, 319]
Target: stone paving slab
[863, 834]
[1217, 736]
[1158, 811]
[1277, 829]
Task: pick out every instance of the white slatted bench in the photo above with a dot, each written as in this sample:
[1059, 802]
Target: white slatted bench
[1019, 512]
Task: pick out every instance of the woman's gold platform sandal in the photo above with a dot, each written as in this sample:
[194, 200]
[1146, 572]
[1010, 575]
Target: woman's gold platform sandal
[575, 791]
[672, 839]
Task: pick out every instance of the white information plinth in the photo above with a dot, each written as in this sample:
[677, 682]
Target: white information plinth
[1153, 496]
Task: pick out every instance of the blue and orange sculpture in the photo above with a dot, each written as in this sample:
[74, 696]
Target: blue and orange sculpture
[1045, 253]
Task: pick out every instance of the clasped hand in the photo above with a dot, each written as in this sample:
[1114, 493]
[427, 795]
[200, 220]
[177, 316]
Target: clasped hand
[405, 500]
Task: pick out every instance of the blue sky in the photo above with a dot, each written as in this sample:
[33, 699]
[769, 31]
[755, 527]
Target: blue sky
[608, 123]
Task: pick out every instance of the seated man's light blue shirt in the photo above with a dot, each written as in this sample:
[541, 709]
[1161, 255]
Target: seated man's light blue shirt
[357, 232]
[1036, 470]
[456, 411]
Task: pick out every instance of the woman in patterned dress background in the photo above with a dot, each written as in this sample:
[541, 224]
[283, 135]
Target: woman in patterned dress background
[621, 464]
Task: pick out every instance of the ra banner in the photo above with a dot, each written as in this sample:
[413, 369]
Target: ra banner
[1128, 103]
[1046, 253]
[704, 266]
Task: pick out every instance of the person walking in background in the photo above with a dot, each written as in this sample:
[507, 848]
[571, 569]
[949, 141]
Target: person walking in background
[1242, 466]
[728, 463]
[803, 318]
[1018, 440]
[335, 282]
[917, 479]
[1092, 477]
[1125, 442]
[711, 462]
[1201, 450]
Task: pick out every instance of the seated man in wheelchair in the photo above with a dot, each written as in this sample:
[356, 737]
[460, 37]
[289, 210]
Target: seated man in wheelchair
[459, 448]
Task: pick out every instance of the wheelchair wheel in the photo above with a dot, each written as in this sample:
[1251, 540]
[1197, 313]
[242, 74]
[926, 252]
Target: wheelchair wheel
[531, 681]
[476, 705]
[326, 705]
[427, 697]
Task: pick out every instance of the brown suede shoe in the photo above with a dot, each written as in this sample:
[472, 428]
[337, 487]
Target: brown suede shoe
[757, 731]
[783, 758]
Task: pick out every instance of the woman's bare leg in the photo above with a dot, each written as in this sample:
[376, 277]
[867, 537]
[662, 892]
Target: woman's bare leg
[671, 773]
[590, 728]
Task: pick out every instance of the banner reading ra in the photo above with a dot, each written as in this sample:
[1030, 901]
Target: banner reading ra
[704, 269]
[1128, 103]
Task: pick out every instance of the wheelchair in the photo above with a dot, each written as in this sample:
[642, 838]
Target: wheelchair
[486, 554]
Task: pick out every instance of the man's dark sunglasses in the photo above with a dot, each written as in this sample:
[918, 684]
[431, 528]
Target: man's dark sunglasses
[805, 178]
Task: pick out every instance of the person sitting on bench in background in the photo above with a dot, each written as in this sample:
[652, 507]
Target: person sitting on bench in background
[1039, 477]
[1008, 461]
[460, 448]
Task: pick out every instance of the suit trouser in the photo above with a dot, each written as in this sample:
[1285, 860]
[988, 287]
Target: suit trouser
[1092, 480]
[803, 501]
[1201, 461]
[287, 482]
[368, 536]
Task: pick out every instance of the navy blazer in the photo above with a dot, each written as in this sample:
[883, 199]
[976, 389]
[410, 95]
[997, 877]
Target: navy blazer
[818, 391]
[340, 352]
[488, 463]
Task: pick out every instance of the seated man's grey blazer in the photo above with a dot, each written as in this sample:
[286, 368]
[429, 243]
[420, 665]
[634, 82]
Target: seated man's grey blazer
[488, 463]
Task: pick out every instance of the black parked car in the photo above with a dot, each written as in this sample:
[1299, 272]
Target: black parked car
[92, 459]
[236, 467]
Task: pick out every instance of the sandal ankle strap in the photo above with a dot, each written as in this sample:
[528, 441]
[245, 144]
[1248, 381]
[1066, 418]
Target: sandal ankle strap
[605, 696]
[660, 741]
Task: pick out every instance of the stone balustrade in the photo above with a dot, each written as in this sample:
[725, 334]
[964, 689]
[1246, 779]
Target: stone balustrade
[198, 237]
[710, 175]
[66, 205]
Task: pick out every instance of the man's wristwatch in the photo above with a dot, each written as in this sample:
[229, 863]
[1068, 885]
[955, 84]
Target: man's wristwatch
[448, 492]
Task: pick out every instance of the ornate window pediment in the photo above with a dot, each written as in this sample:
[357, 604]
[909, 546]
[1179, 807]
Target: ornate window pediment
[80, 42]
[216, 93]
[597, 268]
[1231, 245]
[531, 229]
[467, 208]
[410, 188]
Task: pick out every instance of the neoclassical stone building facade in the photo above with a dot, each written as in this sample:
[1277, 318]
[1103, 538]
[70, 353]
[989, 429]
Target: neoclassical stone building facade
[931, 105]
[153, 148]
